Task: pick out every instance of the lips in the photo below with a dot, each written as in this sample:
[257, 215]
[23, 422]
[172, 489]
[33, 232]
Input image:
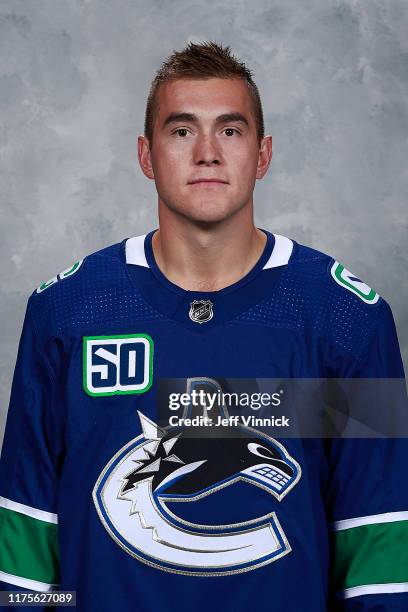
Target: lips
[207, 180]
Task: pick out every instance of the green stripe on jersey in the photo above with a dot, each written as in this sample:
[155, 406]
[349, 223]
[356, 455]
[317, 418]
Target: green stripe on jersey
[28, 547]
[370, 554]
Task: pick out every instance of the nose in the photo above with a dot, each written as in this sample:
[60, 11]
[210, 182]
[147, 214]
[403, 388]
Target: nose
[206, 151]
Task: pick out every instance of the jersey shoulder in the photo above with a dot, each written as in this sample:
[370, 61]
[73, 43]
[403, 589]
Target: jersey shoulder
[91, 291]
[317, 297]
[337, 303]
[88, 269]
[318, 265]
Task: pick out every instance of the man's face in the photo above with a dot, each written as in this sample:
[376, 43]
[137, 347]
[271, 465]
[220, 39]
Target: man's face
[205, 155]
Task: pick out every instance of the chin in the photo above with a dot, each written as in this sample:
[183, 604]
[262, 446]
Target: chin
[208, 217]
[206, 212]
[209, 212]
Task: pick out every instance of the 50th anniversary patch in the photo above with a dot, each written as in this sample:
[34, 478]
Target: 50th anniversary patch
[117, 365]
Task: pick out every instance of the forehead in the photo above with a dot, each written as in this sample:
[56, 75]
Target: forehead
[206, 98]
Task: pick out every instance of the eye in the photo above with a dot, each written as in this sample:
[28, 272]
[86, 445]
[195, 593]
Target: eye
[261, 451]
[231, 131]
[181, 132]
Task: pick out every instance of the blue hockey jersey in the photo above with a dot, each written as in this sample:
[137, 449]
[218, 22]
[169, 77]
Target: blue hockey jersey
[97, 497]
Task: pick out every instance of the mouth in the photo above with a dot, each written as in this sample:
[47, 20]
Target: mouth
[208, 181]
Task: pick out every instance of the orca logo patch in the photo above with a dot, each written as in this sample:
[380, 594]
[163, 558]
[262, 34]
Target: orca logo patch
[154, 494]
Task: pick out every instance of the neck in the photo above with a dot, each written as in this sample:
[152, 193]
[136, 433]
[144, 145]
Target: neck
[207, 257]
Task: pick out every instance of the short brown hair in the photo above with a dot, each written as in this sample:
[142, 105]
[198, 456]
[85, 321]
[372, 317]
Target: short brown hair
[201, 61]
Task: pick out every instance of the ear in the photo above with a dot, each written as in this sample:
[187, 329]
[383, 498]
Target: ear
[145, 161]
[265, 156]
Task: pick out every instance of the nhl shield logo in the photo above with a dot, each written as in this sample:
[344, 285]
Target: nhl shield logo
[201, 311]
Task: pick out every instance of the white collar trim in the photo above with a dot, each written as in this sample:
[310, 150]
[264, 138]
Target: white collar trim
[282, 250]
[281, 253]
[135, 252]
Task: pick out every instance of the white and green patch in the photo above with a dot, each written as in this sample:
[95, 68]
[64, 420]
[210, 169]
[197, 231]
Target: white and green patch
[29, 552]
[370, 555]
[61, 276]
[346, 279]
[117, 365]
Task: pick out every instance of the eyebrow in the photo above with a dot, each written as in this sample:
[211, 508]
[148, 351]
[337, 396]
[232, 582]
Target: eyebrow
[191, 118]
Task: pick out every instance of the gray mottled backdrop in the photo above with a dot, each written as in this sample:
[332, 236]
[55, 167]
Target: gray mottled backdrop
[73, 81]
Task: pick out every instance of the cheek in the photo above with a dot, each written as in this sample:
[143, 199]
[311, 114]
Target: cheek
[243, 168]
[168, 167]
[241, 158]
[175, 159]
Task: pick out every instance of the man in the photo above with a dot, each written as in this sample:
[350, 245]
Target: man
[99, 497]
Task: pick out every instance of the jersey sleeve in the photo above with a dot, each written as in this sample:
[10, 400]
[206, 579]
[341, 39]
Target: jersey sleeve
[30, 463]
[367, 497]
